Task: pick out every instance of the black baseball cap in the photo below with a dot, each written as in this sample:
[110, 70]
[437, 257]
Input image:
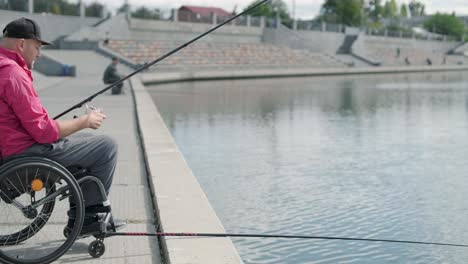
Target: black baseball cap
[23, 28]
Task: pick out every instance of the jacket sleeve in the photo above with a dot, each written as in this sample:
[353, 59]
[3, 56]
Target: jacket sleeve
[23, 99]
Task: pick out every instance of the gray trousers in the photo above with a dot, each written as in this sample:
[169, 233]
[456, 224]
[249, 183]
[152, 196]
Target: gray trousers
[97, 153]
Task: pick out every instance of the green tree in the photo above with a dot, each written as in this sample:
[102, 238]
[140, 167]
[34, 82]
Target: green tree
[15, 5]
[404, 10]
[445, 24]
[269, 9]
[56, 10]
[347, 12]
[145, 13]
[41, 6]
[123, 8]
[390, 9]
[94, 9]
[376, 11]
[58, 7]
[69, 9]
[416, 8]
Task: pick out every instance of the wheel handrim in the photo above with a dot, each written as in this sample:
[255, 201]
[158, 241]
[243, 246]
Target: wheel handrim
[40, 240]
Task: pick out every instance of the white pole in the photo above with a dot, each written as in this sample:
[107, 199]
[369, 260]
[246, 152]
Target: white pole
[294, 10]
[174, 15]
[82, 9]
[31, 6]
[127, 8]
[214, 18]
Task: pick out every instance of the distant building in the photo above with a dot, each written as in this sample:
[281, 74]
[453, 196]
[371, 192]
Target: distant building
[200, 13]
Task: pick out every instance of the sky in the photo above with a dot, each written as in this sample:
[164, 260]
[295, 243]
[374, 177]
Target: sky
[304, 9]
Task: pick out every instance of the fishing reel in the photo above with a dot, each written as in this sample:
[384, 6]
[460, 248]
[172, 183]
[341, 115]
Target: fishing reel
[89, 108]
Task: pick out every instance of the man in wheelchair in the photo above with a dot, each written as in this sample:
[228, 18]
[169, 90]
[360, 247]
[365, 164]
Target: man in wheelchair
[27, 129]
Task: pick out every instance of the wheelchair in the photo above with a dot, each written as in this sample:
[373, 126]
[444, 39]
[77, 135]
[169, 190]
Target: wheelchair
[36, 194]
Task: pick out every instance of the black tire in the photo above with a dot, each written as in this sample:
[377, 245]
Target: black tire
[96, 249]
[66, 232]
[59, 184]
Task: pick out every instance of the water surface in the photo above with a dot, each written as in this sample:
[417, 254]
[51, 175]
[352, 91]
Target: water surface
[377, 156]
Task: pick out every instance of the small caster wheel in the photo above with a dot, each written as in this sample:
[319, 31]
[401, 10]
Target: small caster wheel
[96, 249]
[66, 232]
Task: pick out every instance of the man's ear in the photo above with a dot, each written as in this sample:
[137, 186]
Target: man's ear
[21, 44]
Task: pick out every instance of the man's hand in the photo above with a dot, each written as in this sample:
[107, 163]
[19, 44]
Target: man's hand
[94, 119]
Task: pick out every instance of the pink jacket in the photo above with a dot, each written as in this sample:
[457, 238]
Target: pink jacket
[23, 119]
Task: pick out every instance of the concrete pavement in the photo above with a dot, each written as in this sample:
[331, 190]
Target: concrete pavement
[130, 195]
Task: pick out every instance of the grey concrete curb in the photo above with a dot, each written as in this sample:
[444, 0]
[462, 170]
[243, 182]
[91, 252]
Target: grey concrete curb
[182, 206]
[167, 77]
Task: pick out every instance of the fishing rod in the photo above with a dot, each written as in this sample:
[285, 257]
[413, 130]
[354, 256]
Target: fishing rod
[146, 66]
[281, 236]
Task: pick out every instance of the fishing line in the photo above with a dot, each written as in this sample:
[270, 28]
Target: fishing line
[282, 236]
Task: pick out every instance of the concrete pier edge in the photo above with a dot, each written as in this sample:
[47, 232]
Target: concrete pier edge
[182, 206]
[162, 243]
[206, 75]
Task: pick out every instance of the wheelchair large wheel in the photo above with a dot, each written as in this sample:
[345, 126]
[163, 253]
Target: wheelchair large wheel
[40, 218]
[35, 195]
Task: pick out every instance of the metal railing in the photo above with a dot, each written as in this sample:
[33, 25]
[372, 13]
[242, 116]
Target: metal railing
[407, 34]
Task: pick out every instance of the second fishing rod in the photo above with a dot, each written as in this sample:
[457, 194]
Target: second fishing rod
[146, 66]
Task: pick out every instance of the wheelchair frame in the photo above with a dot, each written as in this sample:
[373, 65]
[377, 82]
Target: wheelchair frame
[12, 186]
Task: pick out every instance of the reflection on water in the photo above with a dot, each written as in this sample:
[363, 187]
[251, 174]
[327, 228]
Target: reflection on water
[380, 156]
